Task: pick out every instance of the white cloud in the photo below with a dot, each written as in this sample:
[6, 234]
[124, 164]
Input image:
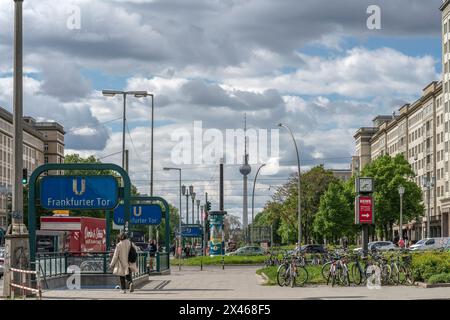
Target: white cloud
[359, 73]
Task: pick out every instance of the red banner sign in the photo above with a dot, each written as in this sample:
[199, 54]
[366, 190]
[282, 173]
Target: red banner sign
[364, 210]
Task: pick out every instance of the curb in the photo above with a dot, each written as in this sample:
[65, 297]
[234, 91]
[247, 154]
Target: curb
[263, 279]
[429, 286]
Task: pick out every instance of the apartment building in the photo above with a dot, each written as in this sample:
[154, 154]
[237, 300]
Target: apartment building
[420, 131]
[42, 142]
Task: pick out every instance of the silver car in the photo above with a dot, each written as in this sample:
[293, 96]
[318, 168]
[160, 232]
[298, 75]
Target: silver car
[430, 244]
[379, 246]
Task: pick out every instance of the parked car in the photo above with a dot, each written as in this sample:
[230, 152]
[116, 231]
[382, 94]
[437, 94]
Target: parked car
[379, 246]
[2, 261]
[247, 251]
[312, 248]
[430, 244]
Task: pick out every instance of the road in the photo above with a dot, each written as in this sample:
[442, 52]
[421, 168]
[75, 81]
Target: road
[241, 283]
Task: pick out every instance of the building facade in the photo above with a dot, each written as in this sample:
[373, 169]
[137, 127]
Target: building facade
[421, 133]
[42, 142]
[342, 174]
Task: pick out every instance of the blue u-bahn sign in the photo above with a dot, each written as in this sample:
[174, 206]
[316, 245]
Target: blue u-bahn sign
[191, 231]
[150, 214]
[79, 192]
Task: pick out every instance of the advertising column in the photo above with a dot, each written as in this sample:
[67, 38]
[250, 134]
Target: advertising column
[216, 241]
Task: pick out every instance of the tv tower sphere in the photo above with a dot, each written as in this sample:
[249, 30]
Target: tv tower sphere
[245, 169]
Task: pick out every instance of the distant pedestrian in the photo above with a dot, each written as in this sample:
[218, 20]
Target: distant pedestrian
[120, 263]
[152, 251]
[401, 243]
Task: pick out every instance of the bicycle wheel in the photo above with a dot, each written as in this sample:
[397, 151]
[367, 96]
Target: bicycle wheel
[343, 276]
[326, 270]
[331, 276]
[301, 276]
[395, 274]
[281, 275]
[405, 275]
[292, 276]
[357, 274]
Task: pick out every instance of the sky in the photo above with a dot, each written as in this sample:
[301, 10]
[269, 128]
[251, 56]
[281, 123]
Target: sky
[313, 65]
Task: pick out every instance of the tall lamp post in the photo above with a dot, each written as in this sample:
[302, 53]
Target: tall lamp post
[179, 212]
[401, 192]
[185, 192]
[253, 200]
[298, 185]
[137, 94]
[193, 194]
[428, 183]
[198, 211]
[16, 240]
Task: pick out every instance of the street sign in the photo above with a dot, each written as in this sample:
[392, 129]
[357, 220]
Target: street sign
[191, 231]
[364, 213]
[79, 192]
[148, 214]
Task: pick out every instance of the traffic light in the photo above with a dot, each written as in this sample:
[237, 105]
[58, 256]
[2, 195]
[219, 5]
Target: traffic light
[208, 206]
[24, 176]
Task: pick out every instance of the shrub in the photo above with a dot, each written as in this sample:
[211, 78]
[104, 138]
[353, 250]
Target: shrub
[428, 264]
[439, 278]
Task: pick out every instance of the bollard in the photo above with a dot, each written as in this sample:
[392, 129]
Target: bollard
[223, 263]
[201, 264]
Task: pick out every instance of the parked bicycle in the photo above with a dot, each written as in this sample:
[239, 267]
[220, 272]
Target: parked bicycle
[292, 272]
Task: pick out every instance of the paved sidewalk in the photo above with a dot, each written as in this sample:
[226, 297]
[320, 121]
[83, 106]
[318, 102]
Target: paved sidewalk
[241, 283]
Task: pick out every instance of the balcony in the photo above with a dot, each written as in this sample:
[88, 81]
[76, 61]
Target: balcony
[429, 133]
[429, 150]
[436, 218]
[429, 167]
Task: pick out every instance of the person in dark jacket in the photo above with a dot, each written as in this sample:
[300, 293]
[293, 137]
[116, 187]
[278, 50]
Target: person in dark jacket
[152, 251]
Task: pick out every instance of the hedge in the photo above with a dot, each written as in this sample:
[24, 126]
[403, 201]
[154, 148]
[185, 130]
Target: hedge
[428, 264]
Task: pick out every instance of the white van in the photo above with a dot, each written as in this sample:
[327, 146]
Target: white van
[430, 244]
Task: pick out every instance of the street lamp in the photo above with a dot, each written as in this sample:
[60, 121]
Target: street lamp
[179, 212]
[137, 94]
[193, 210]
[401, 192]
[185, 192]
[198, 211]
[298, 186]
[428, 183]
[253, 200]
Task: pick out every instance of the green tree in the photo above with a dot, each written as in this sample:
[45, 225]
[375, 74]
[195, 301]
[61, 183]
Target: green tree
[335, 218]
[284, 204]
[271, 216]
[388, 173]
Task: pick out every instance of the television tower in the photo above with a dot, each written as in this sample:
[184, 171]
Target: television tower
[245, 170]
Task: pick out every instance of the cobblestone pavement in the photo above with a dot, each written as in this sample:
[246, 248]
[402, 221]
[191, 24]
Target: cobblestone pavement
[241, 283]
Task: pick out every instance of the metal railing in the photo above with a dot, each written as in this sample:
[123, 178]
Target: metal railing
[162, 261]
[51, 264]
[56, 263]
[142, 264]
[24, 285]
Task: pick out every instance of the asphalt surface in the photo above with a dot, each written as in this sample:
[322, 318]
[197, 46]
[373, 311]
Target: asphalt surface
[242, 283]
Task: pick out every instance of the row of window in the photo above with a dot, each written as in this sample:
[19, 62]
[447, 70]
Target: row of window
[416, 134]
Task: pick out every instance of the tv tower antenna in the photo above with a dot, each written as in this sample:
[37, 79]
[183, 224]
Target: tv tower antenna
[245, 170]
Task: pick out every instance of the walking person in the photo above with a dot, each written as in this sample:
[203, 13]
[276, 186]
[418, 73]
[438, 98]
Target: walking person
[120, 263]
